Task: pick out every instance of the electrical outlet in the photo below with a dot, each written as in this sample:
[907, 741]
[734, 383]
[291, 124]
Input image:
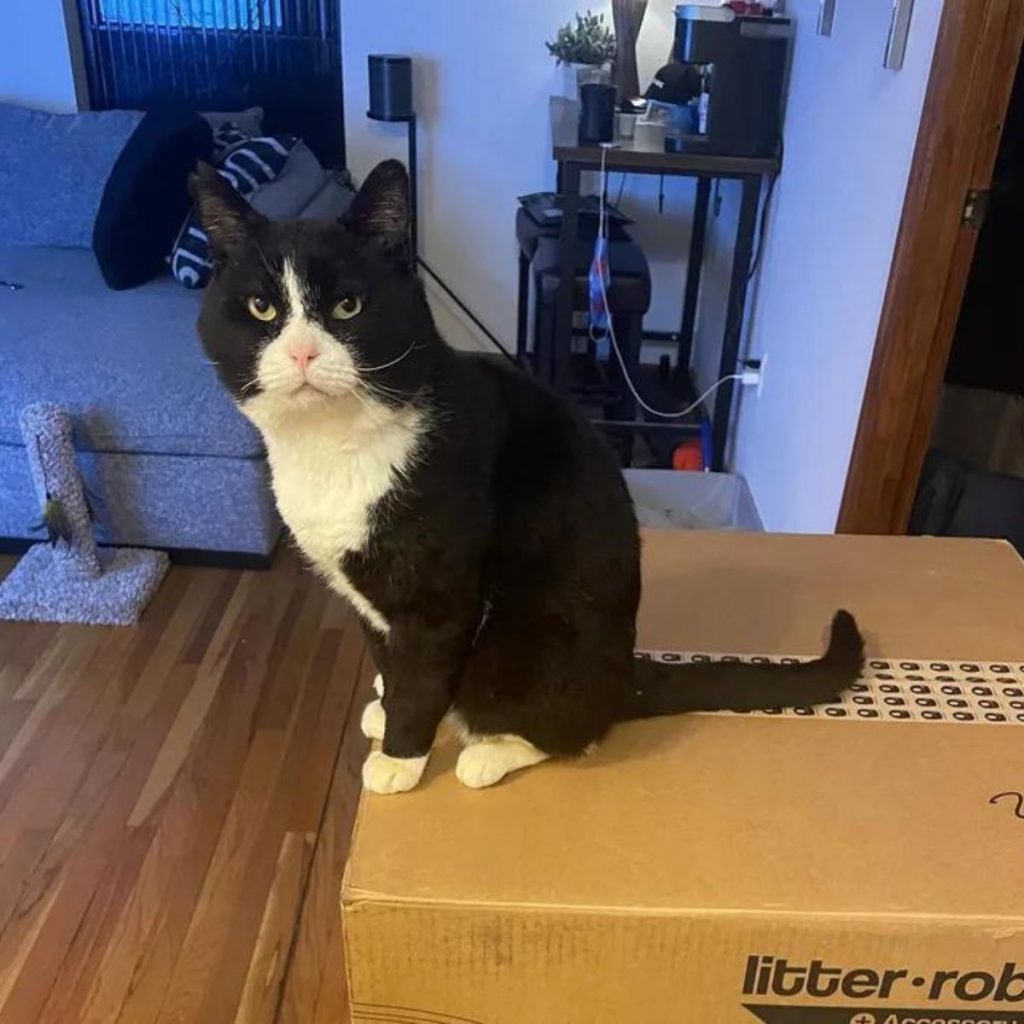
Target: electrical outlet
[752, 375]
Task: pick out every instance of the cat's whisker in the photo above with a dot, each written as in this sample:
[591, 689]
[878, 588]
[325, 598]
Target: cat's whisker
[375, 416]
[263, 258]
[394, 362]
[383, 389]
[384, 394]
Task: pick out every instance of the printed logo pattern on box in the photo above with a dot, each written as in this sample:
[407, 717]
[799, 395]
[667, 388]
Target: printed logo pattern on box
[967, 692]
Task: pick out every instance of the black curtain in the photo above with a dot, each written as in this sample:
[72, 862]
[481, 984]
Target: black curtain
[282, 55]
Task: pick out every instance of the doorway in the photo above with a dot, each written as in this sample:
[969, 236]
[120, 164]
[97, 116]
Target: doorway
[972, 483]
[959, 139]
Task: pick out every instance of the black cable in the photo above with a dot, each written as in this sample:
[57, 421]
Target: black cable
[762, 228]
[755, 260]
[480, 325]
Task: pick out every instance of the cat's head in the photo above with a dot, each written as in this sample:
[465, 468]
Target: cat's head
[302, 314]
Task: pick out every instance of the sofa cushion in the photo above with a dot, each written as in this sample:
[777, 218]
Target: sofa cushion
[128, 366]
[331, 202]
[248, 121]
[301, 178]
[247, 166]
[146, 195]
[196, 502]
[52, 171]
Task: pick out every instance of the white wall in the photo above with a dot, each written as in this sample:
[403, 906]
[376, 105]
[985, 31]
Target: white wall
[35, 65]
[850, 135]
[483, 88]
[485, 78]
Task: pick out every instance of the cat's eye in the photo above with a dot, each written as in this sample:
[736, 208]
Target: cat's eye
[262, 309]
[347, 307]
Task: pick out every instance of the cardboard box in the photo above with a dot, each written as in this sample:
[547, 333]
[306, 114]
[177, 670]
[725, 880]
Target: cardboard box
[734, 868]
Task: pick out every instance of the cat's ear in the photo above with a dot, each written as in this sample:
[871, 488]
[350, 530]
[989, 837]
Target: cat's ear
[226, 217]
[380, 209]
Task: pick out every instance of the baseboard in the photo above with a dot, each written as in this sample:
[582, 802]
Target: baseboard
[200, 559]
[195, 557]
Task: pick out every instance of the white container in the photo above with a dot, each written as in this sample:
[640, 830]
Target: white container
[649, 135]
[673, 500]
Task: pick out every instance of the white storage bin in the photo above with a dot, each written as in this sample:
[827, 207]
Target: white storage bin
[675, 500]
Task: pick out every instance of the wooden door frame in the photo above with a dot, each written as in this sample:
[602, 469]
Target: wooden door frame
[979, 44]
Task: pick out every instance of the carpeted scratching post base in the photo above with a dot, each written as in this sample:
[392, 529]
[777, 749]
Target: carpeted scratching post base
[36, 591]
[70, 579]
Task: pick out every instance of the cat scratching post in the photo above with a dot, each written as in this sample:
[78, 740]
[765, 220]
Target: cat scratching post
[70, 579]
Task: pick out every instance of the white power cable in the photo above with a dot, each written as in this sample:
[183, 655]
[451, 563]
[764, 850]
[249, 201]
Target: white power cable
[602, 233]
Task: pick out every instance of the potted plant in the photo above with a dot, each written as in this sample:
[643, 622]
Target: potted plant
[586, 45]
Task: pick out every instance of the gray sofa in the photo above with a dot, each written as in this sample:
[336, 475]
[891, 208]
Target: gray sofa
[171, 462]
[170, 459]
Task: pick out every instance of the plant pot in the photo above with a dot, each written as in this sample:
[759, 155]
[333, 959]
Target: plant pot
[575, 76]
[587, 74]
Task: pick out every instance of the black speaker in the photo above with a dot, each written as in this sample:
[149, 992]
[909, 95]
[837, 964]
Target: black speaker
[390, 87]
[597, 114]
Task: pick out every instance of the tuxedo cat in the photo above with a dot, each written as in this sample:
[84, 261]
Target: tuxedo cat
[479, 525]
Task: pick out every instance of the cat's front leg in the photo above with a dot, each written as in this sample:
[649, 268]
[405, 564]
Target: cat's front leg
[374, 718]
[421, 667]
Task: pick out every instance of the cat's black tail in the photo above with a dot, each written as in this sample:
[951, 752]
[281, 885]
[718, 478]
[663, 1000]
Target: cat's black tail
[671, 689]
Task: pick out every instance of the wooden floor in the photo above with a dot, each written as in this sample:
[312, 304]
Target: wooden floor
[175, 806]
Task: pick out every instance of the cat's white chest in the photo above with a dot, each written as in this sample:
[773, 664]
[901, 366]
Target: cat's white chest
[327, 487]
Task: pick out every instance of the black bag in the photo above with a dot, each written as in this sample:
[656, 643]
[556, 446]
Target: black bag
[956, 500]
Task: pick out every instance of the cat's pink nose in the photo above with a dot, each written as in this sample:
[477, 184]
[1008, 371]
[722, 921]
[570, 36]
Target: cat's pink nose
[302, 354]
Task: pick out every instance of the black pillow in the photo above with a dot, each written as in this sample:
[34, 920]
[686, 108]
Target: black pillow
[146, 196]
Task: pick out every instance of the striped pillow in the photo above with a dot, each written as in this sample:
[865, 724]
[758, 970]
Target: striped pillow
[247, 164]
[227, 136]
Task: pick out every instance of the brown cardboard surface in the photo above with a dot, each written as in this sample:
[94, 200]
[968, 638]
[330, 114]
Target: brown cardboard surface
[914, 596]
[635, 885]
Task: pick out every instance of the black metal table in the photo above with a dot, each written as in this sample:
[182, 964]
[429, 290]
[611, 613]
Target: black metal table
[573, 159]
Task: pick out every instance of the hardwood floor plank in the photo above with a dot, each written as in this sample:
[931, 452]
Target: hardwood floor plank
[94, 832]
[50, 684]
[259, 874]
[10, 971]
[115, 750]
[261, 992]
[25, 852]
[177, 856]
[207, 789]
[175, 803]
[316, 975]
[24, 643]
[261, 755]
[193, 710]
[210, 929]
[76, 973]
[39, 677]
[42, 794]
[293, 649]
[51, 941]
[12, 717]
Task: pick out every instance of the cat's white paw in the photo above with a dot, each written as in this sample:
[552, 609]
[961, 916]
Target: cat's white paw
[372, 722]
[384, 774]
[488, 761]
[378, 685]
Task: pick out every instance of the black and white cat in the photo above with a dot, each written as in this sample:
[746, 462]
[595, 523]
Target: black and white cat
[479, 525]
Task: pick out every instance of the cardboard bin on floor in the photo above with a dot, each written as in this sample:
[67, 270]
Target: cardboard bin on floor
[862, 869]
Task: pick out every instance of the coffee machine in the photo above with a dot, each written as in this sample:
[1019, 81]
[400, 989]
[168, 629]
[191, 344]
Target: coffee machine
[741, 62]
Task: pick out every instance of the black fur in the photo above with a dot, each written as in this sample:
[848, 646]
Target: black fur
[508, 560]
